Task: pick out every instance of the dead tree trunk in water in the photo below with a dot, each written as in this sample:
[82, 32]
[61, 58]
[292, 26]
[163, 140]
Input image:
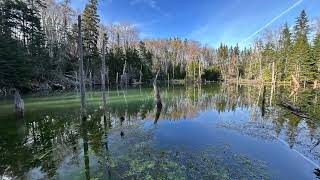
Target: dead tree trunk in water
[117, 78]
[81, 74]
[90, 80]
[19, 104]
[124, 77]
[157, 97]
[156, 89]
[103, 75]
[263, 103]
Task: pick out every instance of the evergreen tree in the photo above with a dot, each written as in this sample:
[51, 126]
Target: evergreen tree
[269, 56]
[146, 61]
[22, 17]
[286, 64]
[316, 53]
[305, 66]
[90, 30]
[14, 63]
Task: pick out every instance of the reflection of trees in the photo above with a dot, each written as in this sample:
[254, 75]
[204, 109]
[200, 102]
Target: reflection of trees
[252, 98]
[186, 103]
[42, 143]
[84, 134]
[48, 136]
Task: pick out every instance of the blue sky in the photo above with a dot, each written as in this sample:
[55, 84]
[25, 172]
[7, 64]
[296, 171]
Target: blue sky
[207, 21]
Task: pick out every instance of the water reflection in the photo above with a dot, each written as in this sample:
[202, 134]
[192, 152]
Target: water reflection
[49, 141]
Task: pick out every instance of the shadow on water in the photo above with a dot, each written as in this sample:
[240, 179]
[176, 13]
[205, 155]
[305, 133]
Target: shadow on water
[122, 142]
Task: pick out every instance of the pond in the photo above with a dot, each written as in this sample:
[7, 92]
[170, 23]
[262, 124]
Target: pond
[213, 131]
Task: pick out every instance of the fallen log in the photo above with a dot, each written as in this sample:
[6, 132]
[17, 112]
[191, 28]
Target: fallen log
[295, 110]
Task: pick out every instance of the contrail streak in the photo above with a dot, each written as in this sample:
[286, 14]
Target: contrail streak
[272, 21]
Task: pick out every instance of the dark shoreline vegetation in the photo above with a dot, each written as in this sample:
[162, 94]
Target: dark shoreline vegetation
[84, 100]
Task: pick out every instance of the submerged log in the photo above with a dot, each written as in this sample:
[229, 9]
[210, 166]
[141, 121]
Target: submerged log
[295, 110]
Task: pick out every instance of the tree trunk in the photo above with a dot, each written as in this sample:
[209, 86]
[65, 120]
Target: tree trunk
[199, 68]
[173, 71]
[19, 104]
[156, 89]
[124, 77]
[194, 74]
[107, 76]
[263, 104]
[90, 80]
[103, 75]
[81, 74]
[117, 78]
[157, 98]
[273, 75]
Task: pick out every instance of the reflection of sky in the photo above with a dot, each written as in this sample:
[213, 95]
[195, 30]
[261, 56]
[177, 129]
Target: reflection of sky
[205, 130]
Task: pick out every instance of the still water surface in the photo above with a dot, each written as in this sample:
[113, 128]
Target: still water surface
[202, 132]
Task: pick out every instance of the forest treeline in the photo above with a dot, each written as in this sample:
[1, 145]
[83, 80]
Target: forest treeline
[39, 48]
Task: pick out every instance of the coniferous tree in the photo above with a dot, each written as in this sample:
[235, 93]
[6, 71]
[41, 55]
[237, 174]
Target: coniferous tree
[316, 53]
[286, 65]
[301, 51]
[90, 34]
[146, 60]
[269, 56]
